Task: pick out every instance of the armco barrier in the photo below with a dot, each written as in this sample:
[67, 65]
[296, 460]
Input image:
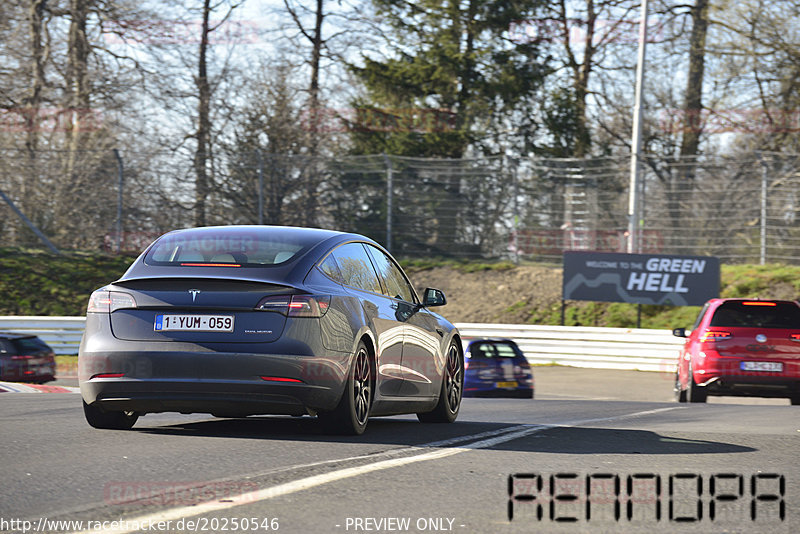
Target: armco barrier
[576, 346]
[63, 334]
[603, 348]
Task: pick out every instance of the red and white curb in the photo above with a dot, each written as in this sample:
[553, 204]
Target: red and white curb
[15, 387]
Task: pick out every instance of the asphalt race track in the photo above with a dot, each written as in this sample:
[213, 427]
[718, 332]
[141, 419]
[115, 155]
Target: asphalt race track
[596, 451]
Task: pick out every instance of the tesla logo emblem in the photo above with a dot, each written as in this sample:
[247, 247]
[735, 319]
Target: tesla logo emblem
[194, 293]
[761, 338]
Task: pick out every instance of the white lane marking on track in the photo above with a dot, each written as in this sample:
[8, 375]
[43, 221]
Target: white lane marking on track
[505, 435]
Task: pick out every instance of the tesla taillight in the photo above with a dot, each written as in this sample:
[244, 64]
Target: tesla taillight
[296, 305]
[108, 375]
[715, 336]
[102, 301]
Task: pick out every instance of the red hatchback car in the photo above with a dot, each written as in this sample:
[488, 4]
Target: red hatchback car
[741, 347]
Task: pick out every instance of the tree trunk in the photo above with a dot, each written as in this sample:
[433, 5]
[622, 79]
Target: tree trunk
[582, 140]
[39, 53]
[203, 123]
[77, 111]
[312, 181]
[693, 106]
[692, 115]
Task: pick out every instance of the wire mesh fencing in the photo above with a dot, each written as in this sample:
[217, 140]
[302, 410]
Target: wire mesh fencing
[740, 208]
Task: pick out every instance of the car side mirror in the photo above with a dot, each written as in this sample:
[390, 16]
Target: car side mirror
[679, 332]
[434, 297]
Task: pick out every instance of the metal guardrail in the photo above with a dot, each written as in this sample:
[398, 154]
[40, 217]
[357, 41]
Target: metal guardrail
[63, 334]
[576, 346]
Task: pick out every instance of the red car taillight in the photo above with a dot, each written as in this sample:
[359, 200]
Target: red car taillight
[715, 336]
[296, 305]
[794, 337]
[102, 301]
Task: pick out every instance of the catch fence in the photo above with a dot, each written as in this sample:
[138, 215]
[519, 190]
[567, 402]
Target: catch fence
[740, 208]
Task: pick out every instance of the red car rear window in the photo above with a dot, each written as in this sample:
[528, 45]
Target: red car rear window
[757, 314]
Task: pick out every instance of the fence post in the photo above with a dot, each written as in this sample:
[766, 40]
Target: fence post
[389, 200]
[121, 176]
[260, 186]
[764, 170]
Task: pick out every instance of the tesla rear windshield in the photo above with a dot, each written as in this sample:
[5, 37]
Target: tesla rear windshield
[758, 314]
[226, 247]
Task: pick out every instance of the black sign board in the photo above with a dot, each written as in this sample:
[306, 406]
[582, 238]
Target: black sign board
[640, 278]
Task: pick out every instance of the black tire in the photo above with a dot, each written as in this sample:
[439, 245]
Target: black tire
[352, 413]
[446, 410]
[680, 394]
[695, 393]
[109, 420]
[795, 401]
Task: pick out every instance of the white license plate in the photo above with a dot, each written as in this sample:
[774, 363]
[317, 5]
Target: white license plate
[772, 367]
[194, 323]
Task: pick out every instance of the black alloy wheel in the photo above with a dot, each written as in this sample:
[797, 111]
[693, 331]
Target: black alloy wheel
[352, 413]
[446, 410]
[362, 388]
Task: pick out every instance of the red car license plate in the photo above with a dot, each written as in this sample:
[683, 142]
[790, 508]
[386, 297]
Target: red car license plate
[770, 367]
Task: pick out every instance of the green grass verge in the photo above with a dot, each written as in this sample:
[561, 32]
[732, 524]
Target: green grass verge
[40, 283]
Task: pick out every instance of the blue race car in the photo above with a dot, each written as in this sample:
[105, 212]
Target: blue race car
[496, 368]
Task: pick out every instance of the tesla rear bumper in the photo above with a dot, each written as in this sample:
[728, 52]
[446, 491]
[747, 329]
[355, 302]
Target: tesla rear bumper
[212, 382]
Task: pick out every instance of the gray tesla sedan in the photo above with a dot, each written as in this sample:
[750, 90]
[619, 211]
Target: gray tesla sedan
[245, 320]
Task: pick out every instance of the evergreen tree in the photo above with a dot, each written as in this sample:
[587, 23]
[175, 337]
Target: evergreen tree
[454, 78]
